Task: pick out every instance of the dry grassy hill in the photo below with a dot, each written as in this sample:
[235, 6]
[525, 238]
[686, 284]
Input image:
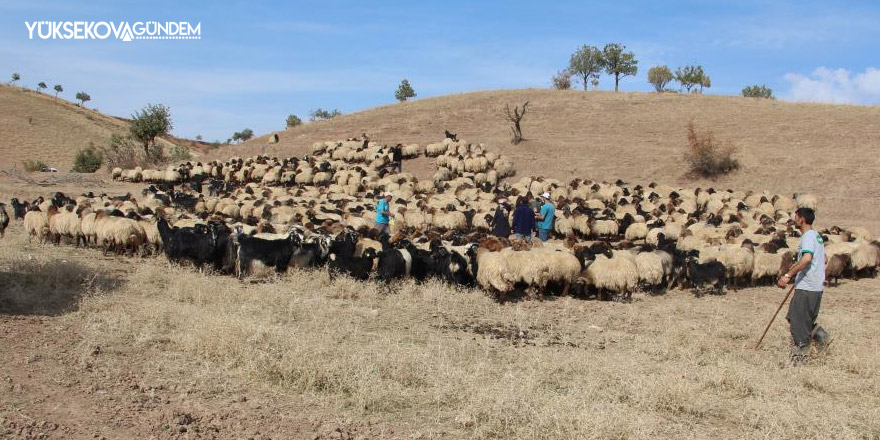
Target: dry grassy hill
[829, 150]
[38, 126]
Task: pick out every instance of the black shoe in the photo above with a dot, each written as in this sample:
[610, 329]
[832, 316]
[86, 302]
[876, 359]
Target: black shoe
[823, 339]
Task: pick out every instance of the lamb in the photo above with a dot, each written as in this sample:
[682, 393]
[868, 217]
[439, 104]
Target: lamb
[618, 274]
[501, 271]
[655, 268]
[118, 233]
[636, 231]
[36, 225]
[806, 201]
[835, 267]
[64, 224]
[766, 266]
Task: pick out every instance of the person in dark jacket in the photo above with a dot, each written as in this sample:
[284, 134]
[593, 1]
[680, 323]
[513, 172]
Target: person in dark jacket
[397, 158]
[523, 220]
[500, 224]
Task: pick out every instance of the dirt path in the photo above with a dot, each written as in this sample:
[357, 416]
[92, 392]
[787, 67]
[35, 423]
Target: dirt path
[53, 387]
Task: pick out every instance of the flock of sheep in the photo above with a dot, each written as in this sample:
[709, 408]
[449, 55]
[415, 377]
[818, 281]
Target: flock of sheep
[610, 238]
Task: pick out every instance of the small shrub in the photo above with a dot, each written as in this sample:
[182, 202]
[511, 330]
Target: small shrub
[323, 115]
[87, 160]
[757, 91]
[708, 157]
[121, 151]
[32, 166]
[178, 154]
[562, 80]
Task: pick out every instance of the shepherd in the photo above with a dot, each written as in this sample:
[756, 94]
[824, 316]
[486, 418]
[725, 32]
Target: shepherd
[809, 280]
[383, 215]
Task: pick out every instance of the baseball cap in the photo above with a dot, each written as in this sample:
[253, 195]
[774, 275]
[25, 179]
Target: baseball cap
[546, 195]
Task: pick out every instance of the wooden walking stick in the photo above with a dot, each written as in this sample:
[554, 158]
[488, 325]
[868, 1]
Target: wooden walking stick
[774, 316]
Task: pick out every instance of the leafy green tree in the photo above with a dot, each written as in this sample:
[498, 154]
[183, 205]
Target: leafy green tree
[562, 80]
[149, 123]
[293, 121]
[83, 97]
[659, 76]
[705, 82]
[41, 86]
[618, 62]
[587, 62]
[199, 137]
[757, 91]
[404, 91]
[691, 76]
[15, 77]
[235, 137]
[58, 89]
[246, 134]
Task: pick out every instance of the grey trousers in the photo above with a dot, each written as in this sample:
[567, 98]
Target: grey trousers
[383, 228]
[802, 314]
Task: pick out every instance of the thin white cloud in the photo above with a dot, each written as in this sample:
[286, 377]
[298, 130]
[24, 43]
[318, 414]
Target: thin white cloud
[838, 86]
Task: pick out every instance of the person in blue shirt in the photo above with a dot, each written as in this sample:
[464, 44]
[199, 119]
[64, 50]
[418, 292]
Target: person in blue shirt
[383, 215]
[808, 275]
[523, 220]
[545, 217]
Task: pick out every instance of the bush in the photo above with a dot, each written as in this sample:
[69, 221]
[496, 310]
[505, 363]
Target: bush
[178, 153]
[757, 91]
[122, 152]
[32, 166]
[87, 160]
[322, 115]
[708, 157]
[293, 121]
[562, 80]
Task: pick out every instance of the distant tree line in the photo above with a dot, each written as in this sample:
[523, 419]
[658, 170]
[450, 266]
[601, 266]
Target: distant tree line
[588, 63]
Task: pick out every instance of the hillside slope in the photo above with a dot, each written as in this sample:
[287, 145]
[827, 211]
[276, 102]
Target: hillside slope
[828, 150]
[38, 126]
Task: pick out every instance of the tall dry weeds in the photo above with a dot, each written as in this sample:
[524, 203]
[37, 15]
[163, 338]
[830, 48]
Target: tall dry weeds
[708, 157]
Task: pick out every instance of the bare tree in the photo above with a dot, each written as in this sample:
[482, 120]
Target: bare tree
[515, 117]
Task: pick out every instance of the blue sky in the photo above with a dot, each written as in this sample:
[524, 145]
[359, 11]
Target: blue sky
[257, 62]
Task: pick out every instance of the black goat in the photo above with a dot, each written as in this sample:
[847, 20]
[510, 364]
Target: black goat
[450, 135]
[19, 209]
[355, 267]
[199, 244]
[711, 272]
[272, 253]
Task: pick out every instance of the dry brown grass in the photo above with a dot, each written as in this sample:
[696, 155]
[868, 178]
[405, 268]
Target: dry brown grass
[439, 362]
[37, 126]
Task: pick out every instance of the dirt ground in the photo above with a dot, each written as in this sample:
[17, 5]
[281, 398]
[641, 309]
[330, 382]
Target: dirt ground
[117, 347]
